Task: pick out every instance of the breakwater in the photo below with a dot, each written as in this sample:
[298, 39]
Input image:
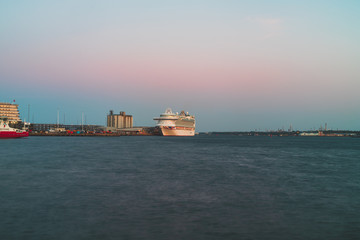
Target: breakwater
[143, 131]
[90, 134]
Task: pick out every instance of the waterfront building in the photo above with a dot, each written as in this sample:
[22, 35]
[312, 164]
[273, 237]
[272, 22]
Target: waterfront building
[119, 120]
[11, 111]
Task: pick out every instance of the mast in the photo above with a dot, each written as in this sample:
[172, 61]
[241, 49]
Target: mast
[29, 112]
[57, 118]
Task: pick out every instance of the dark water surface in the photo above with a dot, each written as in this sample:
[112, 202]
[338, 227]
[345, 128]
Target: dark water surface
[203, 187]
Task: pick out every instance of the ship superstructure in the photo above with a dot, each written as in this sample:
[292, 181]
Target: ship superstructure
[10, 111]
[174, 124]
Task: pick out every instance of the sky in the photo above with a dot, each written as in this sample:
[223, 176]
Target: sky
[235, 65]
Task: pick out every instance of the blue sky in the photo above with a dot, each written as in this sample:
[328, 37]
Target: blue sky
[236, 65]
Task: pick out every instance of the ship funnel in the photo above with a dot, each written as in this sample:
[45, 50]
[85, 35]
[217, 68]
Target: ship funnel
[168, 111]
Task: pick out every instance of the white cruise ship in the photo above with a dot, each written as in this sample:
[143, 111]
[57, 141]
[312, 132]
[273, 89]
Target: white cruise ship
[172, 124]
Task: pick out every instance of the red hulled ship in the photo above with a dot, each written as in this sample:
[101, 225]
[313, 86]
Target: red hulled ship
[8, 132]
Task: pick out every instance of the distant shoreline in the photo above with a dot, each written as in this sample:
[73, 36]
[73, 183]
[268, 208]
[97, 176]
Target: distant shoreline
[330, 133]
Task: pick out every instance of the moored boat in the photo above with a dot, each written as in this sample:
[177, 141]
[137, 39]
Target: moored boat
[172, 124]
[8, 132]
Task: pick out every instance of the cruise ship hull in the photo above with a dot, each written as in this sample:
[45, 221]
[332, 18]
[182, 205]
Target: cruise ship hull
[177, 131]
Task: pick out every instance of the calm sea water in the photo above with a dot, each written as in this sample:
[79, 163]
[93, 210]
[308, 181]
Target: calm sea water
[203, 187]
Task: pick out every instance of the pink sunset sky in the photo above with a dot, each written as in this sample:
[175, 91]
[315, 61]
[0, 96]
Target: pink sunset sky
[235, 65]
